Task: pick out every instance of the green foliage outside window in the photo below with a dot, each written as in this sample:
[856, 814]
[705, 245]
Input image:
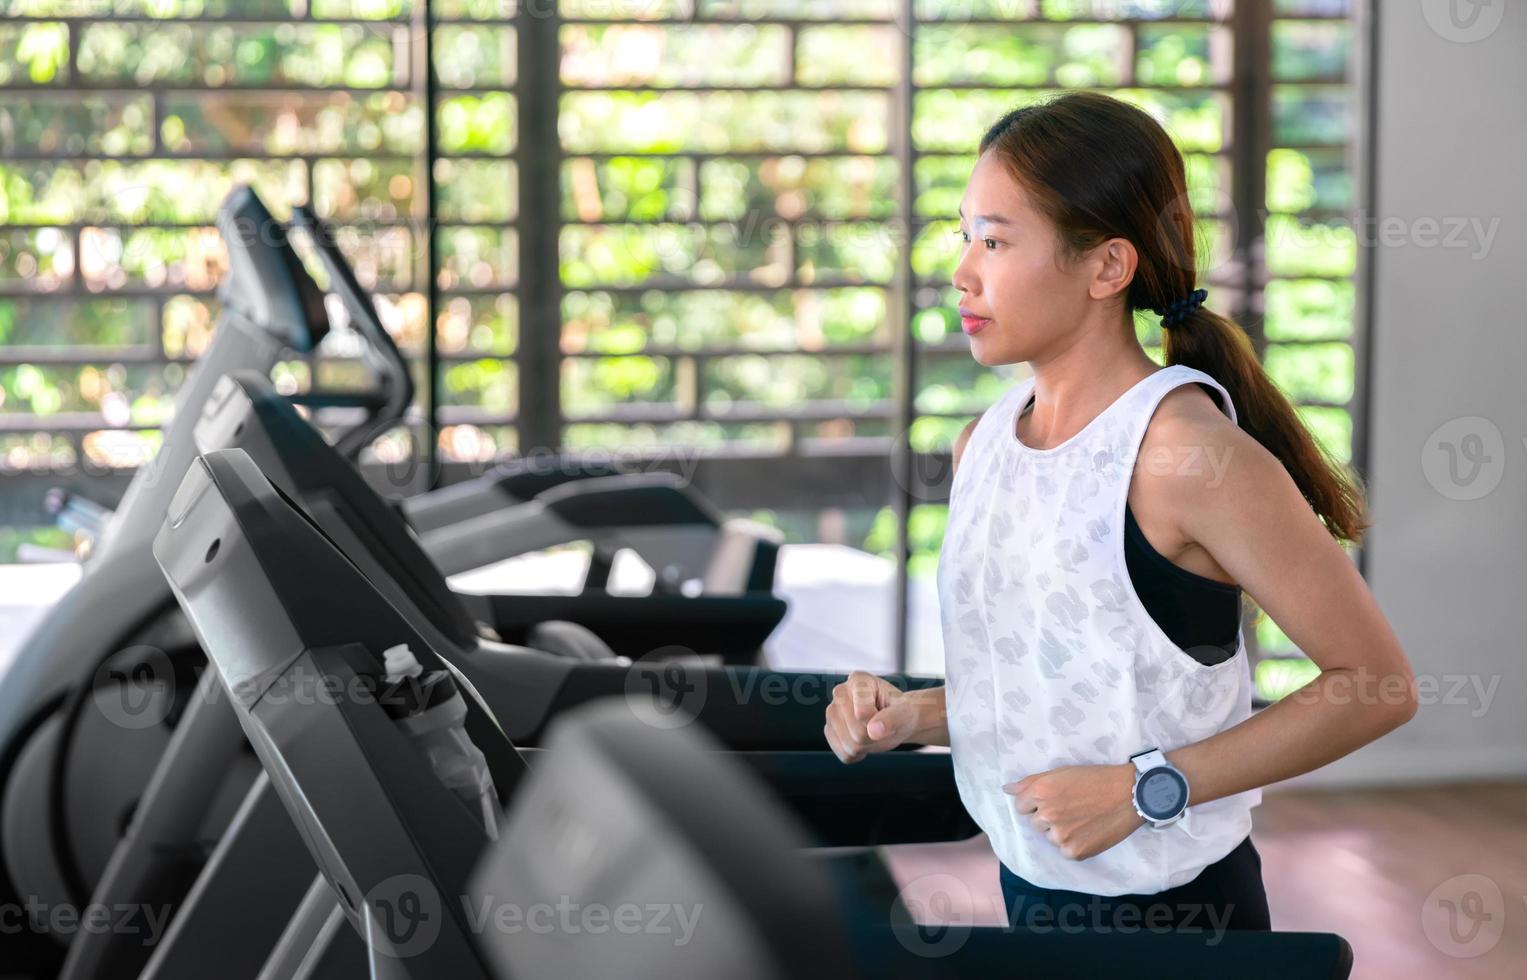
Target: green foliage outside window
[722, 252]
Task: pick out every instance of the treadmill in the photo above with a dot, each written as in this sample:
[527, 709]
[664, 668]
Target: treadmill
[248, 413]
[300, 576]
[621, 808]
[269, 309]
[93, 697]
[540, 501]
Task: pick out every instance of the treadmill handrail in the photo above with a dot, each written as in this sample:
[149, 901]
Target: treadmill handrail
[657, 499]
[395, 384]
[509, 483]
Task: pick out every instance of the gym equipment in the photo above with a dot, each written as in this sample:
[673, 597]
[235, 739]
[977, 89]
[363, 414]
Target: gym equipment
[200, 778]
[274, 579]
[269, 309]
[691, 548]
[78, 798]
[248, 414]
[531, 504]
[77, 514]
[612, 819]
[72, 772]
[616, 819]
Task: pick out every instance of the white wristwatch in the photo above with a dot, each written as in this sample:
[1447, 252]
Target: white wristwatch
[1161, 790]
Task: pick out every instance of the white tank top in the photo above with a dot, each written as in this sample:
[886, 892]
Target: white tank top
[1050, 656]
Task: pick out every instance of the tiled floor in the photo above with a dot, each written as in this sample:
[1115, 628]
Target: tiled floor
[1427, 882]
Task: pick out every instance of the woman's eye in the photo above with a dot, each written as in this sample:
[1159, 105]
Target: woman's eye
[990, 243]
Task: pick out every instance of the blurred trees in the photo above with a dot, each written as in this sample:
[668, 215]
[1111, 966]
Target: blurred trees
[730, 232]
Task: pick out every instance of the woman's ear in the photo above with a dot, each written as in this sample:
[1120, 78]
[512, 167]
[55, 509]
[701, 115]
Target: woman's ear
[1115, 261]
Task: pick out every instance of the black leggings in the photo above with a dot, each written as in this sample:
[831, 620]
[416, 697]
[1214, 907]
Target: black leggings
[1227, 894]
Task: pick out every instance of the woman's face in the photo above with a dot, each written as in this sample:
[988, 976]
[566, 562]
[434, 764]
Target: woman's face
[1016, 298]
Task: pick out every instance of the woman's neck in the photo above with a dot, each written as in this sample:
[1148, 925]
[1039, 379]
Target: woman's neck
[1075, 387]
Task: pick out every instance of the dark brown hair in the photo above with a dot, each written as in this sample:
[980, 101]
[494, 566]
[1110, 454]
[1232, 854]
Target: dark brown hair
[1100, 168]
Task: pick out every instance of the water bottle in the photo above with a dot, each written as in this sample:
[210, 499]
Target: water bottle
[429, 707]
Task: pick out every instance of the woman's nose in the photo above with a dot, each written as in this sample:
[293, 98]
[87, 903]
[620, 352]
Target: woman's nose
[962, 277]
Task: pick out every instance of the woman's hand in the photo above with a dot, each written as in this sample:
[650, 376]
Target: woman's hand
[869, 714]
[1082, 810]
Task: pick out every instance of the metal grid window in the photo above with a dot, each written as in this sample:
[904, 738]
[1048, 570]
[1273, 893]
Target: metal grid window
[715, 227]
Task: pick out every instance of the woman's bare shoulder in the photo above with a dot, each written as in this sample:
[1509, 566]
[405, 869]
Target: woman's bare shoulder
[963, 438]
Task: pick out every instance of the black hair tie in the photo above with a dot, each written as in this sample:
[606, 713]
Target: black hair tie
[1178, 309]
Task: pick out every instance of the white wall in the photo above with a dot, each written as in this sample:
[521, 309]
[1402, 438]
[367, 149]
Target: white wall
[1449, 341]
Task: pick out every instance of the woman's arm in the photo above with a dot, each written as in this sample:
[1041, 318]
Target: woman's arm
[1233, 498]
[868, 714]
[1251, 517]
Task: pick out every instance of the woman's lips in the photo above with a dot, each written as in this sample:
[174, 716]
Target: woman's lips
[972, 325]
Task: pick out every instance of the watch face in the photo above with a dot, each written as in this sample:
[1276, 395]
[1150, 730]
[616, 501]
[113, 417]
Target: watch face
[1161, 793]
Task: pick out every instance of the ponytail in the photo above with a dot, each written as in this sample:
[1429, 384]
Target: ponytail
[1100, 168]
[1209, 342]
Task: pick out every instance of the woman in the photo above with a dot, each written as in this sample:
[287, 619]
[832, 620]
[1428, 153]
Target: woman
[1104, 517]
